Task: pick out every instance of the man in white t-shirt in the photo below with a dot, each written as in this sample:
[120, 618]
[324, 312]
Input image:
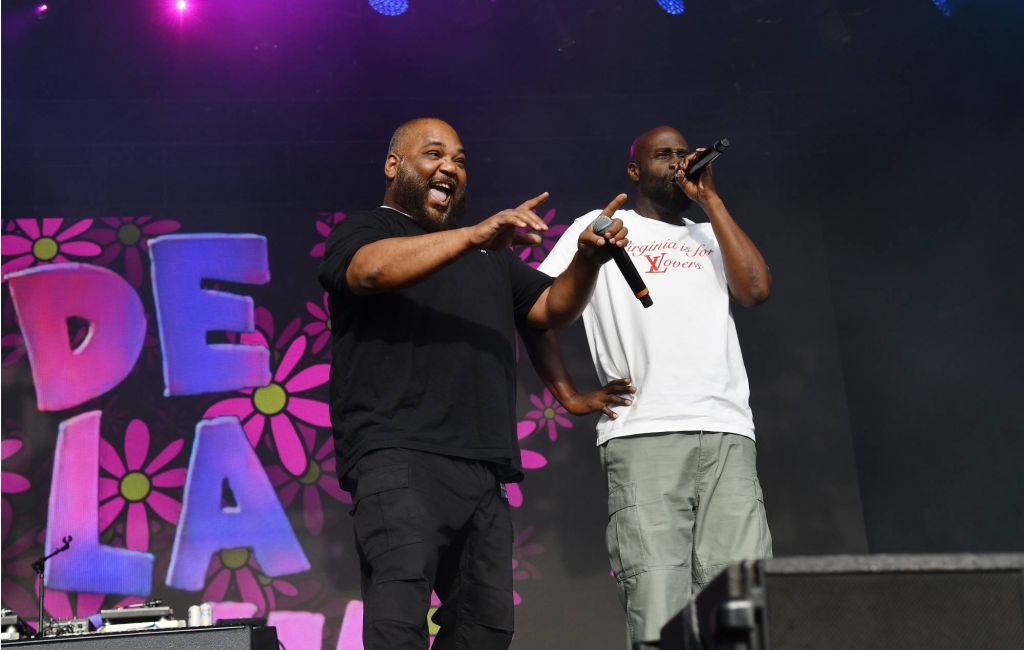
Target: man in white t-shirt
[678, 448]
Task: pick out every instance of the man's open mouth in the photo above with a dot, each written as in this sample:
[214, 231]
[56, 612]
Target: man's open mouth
[441, 192]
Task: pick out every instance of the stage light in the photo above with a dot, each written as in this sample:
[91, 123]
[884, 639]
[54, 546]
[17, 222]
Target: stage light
[390, 7]
[943, 6]
[181, 6]
[674, 7]
[41, 10]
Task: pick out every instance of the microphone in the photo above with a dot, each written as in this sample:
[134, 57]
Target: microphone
[705, 157]
[626, 267]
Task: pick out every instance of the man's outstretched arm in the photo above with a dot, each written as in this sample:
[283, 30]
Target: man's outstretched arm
[563, 302]
[396, 262]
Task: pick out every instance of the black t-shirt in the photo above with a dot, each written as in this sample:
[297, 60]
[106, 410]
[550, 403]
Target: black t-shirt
[431, 366]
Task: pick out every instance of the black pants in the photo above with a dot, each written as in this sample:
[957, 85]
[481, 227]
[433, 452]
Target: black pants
[429, 522]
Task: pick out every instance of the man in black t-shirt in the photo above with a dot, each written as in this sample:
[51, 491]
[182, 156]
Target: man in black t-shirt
[423, 388]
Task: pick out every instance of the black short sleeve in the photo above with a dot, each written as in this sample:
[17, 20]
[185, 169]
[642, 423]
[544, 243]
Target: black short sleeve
[346, 239]
[527, 285]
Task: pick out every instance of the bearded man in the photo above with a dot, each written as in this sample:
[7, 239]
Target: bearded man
[676, 440]
[423, 381]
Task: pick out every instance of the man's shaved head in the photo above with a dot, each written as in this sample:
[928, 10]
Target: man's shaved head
[645, 137]
[399, 138]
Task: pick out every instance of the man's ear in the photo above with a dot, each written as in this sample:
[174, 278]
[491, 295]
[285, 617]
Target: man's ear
[391, 165]
[633, 171]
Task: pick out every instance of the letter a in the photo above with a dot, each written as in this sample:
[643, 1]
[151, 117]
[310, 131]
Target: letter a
[257, 521]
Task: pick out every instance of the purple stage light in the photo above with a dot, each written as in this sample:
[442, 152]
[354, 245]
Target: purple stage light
[42, 9]
[181, 6]
[390, 7]
[674, 7]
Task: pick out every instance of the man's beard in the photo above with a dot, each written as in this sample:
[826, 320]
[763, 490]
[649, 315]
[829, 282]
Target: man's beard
[412, 192]
[666, 192]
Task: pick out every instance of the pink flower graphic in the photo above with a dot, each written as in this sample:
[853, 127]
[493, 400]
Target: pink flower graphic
[320, 328]
[18, 556]
[130, 236]
[324, 225]
[135, 484]
[319, 477]
[14, 347]
[530, 460]
[13, 342]
[277, 405]
[11, 483]
[41, 242]
[548, 411]
[522, 568]
[234, 570]
[534, 255]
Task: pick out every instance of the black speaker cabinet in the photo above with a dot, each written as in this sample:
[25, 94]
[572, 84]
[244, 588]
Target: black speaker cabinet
[190, 638]
[873, 602]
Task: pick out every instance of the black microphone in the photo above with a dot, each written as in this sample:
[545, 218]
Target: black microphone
[705, 157]
[626, 267]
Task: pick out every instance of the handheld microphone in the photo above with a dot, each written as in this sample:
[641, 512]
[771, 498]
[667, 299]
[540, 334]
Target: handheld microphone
[626, 267]
[705, 157]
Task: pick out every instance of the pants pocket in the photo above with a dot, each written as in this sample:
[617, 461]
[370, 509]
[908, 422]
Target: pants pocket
[386, 512]
[623, 537]
[766, 534]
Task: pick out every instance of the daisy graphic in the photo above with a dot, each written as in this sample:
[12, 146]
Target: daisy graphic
[279, 406]
[534, 255]
[324, 224]
[522, 568]
[10, 482]
[320, 329]
[12, 340]
[234, 570]
[41, 241]
[129, 237]
[530, 459]
[547, 411]
[318, 479]
[137, 485]
[18, 556]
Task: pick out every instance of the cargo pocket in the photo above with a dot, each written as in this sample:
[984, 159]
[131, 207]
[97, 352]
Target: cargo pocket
[386, 514]
[766, 534]
[625, 543]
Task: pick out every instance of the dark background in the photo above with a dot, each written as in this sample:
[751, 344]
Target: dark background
[875, 161]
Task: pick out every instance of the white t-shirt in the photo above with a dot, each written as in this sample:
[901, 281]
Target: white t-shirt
[682, 353]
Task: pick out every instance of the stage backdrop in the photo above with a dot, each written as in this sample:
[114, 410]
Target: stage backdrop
[170, 176]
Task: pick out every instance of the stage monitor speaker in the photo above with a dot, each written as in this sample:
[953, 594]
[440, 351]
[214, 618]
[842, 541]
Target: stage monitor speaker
[189, 638]
[872, 602]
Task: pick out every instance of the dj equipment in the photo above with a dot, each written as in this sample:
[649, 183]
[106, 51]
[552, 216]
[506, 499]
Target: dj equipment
[881, 602]
[153, 615]
[12, 627]
[151, 611]
[190, 638]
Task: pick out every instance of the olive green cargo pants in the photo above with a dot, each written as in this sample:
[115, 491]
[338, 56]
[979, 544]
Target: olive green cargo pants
[681, 507]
